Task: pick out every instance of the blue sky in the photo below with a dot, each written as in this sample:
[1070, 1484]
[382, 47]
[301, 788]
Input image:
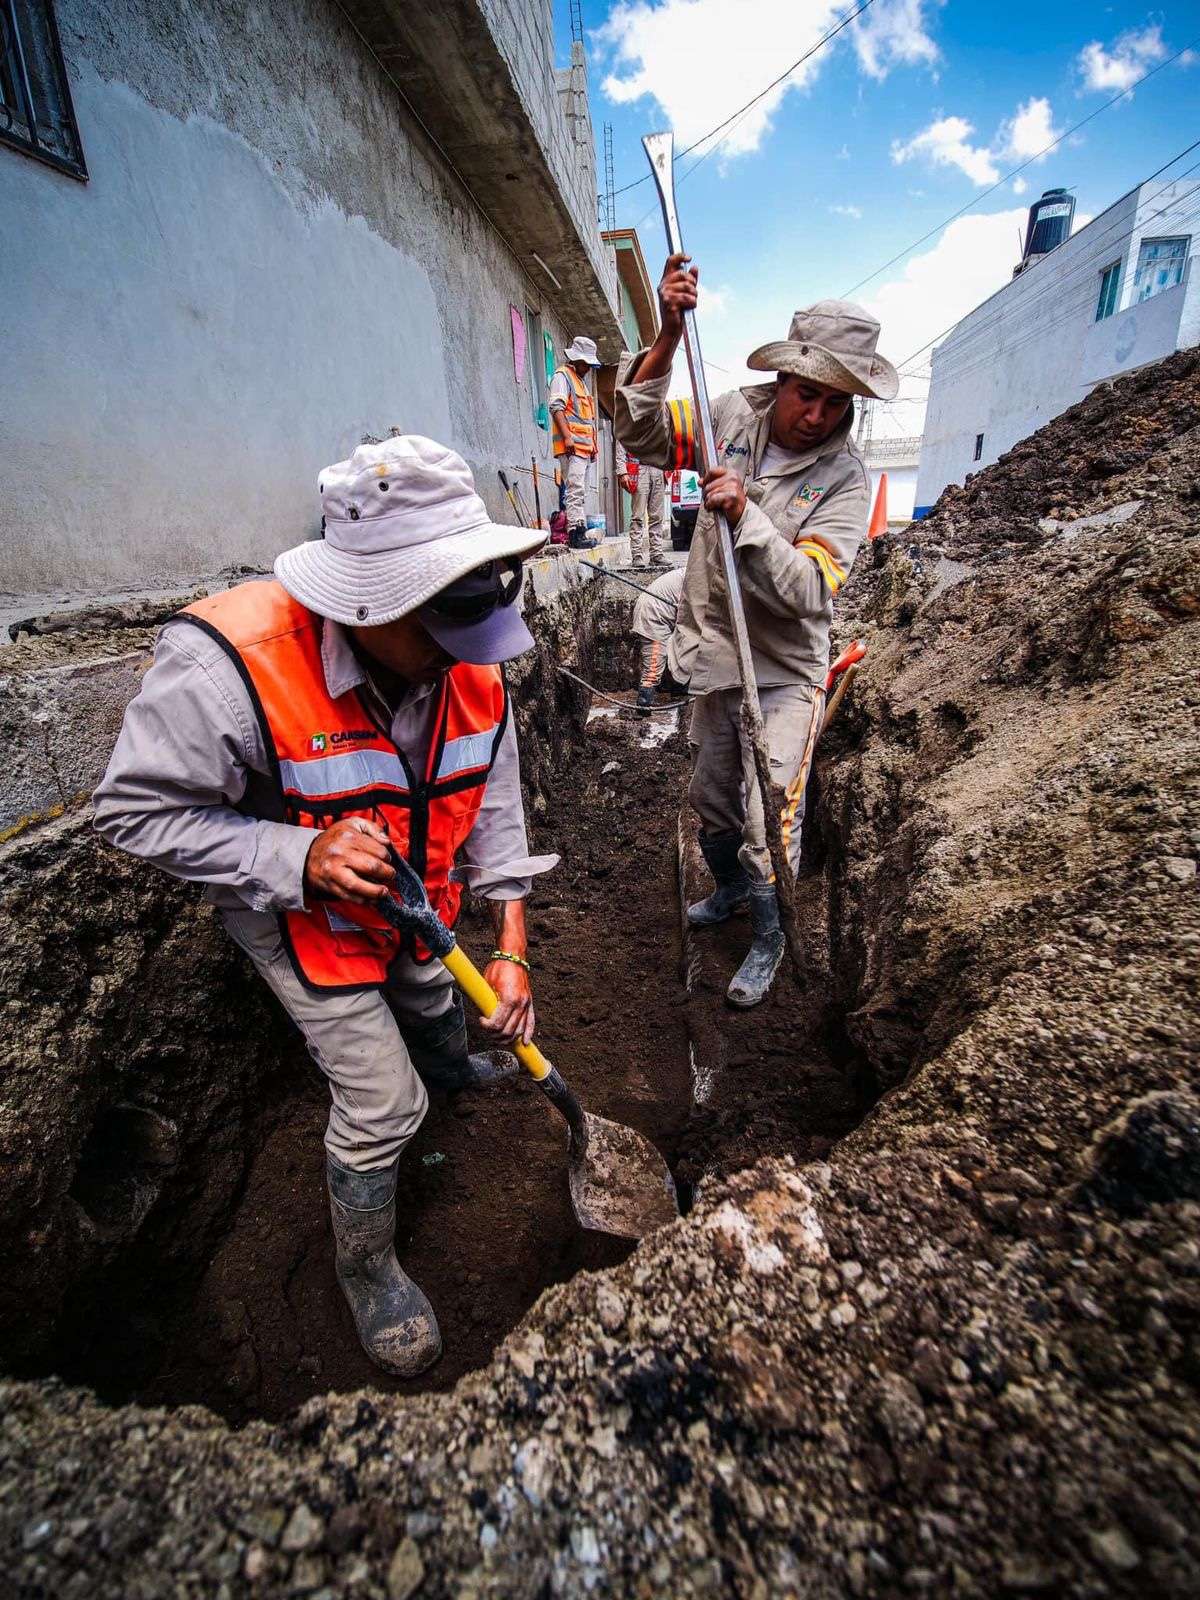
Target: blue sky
[907, 116]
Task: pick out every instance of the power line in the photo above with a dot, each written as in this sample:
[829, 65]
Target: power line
[962, 210]
[774, 84]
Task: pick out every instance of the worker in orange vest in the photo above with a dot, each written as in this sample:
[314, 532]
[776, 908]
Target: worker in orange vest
[290, 737]
[573, 418]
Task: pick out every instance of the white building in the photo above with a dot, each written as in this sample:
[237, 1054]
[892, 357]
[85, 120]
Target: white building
[899, 458]
[1119, 293]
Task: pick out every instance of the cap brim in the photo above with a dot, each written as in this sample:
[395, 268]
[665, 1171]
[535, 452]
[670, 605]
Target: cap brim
[814, 361]
[499, 636]
[368, 590]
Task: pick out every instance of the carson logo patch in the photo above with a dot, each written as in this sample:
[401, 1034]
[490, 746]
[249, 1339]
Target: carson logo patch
[319, 741]
[808, 495]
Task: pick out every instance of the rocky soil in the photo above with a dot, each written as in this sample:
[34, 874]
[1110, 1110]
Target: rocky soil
[957, 1353]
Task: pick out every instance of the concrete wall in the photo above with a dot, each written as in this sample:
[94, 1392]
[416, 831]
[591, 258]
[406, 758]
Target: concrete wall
[1035, 348]
[902, 489]
[269, 261]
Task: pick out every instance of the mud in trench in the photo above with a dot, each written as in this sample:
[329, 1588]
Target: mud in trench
[252, 1323]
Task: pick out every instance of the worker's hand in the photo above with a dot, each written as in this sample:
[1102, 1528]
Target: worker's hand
[626, 483]
[676, 294]
[513, 1020]
[724, 491]
[349, 861]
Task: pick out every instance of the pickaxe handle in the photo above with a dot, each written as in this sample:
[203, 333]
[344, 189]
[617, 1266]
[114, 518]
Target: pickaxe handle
[660, 152]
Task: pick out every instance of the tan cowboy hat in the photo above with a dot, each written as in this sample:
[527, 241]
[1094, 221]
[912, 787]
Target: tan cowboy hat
[832, 342]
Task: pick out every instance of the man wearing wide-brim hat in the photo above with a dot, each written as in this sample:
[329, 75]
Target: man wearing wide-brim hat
[289, 738]
[796, 494]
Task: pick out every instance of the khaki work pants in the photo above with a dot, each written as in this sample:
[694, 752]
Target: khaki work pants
[378, 1101]
[575, 472]
[724, 790]
[648, 500]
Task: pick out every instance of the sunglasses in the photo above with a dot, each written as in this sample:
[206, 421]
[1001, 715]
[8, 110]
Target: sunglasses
[457, 604]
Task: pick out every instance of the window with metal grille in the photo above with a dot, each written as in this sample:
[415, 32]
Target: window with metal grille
[1160, 266]
[978, 447]
[36, 114]
[1110, 278]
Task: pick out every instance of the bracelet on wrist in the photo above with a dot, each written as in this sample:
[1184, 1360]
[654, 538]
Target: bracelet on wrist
[508, 955]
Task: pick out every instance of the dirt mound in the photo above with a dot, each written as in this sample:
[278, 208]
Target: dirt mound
[960, 1355]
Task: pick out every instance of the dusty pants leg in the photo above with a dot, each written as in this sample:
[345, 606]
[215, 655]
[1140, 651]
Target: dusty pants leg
[653, 661]
[655, 502]
[717, 791]
[792, 718]
[378, 1101]
[419, 990]
[637, 524]
[575, 477]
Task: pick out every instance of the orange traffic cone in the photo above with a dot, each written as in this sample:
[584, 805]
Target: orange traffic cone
[879, 514]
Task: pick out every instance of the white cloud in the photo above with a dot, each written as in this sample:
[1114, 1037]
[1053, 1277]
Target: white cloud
[892, 35]
[713, 300]
[844, 153]
[946, 143]
[847, 211]
[1030, 131]
[971, 259]
[1125, 62]
[1019, 186]
[700, 62]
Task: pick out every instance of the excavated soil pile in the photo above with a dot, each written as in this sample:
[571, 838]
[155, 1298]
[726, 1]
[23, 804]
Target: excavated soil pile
[960, 1355]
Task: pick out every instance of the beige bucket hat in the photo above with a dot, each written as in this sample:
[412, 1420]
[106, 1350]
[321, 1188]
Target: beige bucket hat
[832, 342]
[402, 521]
[581, 348]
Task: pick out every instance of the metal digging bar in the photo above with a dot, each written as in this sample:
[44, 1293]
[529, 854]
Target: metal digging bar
[660, 148]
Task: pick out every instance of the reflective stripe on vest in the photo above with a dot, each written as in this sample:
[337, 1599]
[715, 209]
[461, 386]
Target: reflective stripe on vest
[580, 413]
[330, 759]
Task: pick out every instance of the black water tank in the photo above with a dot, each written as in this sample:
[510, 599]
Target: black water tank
[1050, 221]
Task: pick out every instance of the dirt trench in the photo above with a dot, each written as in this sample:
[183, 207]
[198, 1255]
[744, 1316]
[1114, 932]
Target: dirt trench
[230, 1301]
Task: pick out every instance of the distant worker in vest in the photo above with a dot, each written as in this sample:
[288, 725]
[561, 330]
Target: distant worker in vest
[654, 616]
[796, 495]
[292, 734]
[647, 528]
[573, 419]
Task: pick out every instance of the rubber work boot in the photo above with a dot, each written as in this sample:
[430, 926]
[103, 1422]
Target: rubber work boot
[395, 1322]
[757, 972]
[720, 851]
[578, 539]
[645, 699]
[439, 1052]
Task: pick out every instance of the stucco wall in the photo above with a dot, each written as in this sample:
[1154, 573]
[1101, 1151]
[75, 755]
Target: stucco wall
[268, 262]
[1035, 348]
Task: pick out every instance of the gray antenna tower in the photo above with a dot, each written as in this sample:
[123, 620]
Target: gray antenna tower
[610, 198]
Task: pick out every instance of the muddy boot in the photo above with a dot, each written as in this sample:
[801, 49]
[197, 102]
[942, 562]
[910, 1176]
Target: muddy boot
[439, 1052]
[645, 699]
[757, 972]
[395, 1322]
[578, 539]
[720, 851]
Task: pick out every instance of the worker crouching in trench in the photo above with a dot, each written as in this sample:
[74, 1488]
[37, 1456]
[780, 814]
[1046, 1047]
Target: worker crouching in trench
[289, 737]
[796, 495]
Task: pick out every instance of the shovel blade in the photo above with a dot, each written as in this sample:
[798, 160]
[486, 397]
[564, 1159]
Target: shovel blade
[619, 1182]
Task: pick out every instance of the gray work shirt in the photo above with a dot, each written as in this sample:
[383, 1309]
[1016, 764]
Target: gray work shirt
[189, 741]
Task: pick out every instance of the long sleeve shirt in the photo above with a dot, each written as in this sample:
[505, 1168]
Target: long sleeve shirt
[189, 742]
[805, 517]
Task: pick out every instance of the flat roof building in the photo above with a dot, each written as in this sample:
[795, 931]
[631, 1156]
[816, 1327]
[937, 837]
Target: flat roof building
[1118, 294]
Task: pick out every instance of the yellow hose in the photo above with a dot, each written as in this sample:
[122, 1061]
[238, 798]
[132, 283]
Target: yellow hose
[483, 997]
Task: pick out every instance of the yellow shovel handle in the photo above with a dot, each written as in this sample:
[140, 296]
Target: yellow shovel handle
[483, 997]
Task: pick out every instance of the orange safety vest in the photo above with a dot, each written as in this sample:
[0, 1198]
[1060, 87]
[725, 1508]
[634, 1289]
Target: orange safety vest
[580, 412]
[330, 759]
